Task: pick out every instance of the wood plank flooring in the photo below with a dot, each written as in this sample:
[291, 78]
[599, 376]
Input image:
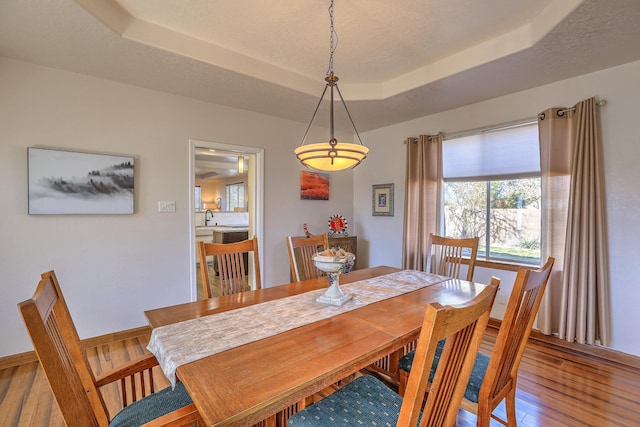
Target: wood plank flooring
[26, 399]
[556, 387]
[562, 387]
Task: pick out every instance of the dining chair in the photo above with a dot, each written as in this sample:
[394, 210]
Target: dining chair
[368, 401]
[445, 256]
[75, 387]
[230, 260]
[494, 377]
[301, 251]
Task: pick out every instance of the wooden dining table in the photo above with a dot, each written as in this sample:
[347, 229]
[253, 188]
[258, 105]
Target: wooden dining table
[247, 384]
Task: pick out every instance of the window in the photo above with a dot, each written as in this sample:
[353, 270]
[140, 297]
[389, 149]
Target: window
[198, 196]
[492, 190]
[235, 196]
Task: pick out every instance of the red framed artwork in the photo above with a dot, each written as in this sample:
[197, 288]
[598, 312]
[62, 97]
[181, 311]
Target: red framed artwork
[314, 186]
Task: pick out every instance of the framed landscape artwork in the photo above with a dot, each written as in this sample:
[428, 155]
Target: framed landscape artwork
[382, 200]
[70, 182]
[314, 186]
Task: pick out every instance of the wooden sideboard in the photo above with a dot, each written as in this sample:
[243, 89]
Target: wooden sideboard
[348, 243]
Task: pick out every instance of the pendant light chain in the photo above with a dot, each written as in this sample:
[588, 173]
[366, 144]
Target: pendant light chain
[333, 36]
[331, 155]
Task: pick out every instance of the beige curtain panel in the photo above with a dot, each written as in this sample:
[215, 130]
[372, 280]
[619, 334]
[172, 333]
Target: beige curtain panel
[576, 304]
[555, 133]
[423, 190]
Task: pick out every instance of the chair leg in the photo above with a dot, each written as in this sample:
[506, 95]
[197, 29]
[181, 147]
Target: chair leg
[403, 378]
[511, 407]
[483, 415]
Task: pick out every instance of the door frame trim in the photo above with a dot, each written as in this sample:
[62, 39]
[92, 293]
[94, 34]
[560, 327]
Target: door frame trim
[255, 181]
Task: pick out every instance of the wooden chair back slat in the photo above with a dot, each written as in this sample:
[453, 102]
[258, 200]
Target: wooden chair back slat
[230, 259]
[233, 278]
[57, 344]
[446, 255]
[462, 327]
[301, 251]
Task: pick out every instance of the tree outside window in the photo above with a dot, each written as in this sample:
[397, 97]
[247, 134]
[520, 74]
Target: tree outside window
[504, 214]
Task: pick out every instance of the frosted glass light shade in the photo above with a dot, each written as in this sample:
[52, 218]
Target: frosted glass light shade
[240, 164]
[323, 157]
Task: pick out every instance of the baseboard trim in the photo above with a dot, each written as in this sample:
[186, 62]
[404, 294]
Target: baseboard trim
[116, 336]
[588, 350]
[595, 351]
[12, 360]
[30, 356]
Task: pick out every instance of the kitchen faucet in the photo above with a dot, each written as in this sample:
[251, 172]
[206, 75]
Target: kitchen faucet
[208, 216]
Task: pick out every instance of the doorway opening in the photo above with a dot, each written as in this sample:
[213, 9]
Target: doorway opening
[214, 161]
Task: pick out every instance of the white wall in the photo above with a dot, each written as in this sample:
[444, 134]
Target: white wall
[112, 268]
[620, 86]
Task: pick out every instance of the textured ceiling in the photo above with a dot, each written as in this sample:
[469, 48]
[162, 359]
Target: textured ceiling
[396, 60]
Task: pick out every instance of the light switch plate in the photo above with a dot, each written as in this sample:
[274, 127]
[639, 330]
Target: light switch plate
[166, 206]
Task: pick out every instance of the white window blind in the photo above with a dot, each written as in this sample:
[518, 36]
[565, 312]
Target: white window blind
[507, 152]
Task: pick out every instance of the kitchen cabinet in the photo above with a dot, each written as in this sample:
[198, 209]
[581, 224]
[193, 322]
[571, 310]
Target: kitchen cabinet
[203, 234]
[230, 235]
[220, 234]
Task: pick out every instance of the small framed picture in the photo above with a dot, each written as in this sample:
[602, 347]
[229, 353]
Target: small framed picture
[382, 200]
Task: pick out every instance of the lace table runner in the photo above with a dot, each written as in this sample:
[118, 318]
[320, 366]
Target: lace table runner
[184, 342]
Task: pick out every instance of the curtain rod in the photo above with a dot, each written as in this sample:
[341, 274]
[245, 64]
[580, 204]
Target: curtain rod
[492, 128]
[560, 113]
[484, 129]
[600, 103]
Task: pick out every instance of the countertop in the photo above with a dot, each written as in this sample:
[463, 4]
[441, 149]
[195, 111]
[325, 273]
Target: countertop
[221, 229]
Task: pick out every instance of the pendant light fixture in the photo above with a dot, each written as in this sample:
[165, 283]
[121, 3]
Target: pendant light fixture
[241, 164]
[332, 155]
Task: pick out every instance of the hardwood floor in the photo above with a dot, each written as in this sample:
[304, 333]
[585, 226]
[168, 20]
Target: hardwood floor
[25, 396]
[557, 387]
[563, 387]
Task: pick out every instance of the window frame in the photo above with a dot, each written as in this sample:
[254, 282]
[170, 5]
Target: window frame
[486, 259]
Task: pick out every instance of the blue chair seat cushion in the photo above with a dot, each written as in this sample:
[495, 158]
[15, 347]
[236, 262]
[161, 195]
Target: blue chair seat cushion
[151, 407]
[366, 401]
[477, 374]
